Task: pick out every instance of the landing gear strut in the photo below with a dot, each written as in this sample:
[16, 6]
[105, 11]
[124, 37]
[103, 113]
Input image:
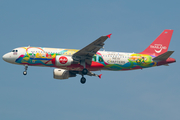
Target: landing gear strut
[84, 71]
[25, 72]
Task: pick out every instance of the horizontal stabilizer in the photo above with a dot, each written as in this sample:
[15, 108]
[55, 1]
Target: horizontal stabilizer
[163, 56]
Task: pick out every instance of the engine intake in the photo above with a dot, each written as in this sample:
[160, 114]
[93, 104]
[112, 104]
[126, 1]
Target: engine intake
[62, 74]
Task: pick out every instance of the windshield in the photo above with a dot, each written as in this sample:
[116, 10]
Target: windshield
[14, 51]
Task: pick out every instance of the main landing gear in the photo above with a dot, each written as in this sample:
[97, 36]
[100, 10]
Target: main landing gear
[84, 72]
[25, 72]
[83, 80]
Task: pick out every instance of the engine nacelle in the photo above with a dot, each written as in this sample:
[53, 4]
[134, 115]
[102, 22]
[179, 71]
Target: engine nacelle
[61, 60]
[62, 74]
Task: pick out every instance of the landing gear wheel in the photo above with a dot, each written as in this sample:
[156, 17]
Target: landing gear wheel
[24, 73]
[83, 80]
[84, 71]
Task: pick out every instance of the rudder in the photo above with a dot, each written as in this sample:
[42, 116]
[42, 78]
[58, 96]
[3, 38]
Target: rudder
[160, 44]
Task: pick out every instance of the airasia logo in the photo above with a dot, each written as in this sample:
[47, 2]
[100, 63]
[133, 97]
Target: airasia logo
[63, 60]
[158, 47]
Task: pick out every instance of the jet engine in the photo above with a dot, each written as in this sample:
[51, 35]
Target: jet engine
[61, 60]
[62, 74]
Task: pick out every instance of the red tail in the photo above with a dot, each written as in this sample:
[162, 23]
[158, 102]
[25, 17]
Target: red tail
[160, 44]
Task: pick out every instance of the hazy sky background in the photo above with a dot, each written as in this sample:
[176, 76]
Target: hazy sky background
[149, 94]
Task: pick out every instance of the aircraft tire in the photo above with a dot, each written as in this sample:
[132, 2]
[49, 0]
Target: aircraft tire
[84, 71]
[83, 80]
[24, 73]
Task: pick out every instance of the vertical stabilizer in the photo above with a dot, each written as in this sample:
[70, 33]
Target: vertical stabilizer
[160, 44]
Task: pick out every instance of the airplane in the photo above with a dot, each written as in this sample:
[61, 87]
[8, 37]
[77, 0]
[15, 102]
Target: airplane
[70, 62]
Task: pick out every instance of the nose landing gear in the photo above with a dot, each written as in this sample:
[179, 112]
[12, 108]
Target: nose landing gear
[25, 72]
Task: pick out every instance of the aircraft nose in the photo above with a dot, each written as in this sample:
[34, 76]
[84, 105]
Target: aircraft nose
[8, 58]
[5, 57]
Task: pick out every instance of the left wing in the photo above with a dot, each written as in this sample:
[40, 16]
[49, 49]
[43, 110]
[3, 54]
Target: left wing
[88, 52]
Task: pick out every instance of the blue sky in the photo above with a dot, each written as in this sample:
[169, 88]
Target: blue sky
[152, 93]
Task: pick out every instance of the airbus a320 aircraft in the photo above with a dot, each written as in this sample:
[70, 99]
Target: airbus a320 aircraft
[70, 62]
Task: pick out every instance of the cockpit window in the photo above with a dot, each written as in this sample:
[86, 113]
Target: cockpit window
[14, 51]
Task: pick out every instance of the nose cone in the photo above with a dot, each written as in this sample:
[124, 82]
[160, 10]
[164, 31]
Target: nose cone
[8, 57]
[5, 57]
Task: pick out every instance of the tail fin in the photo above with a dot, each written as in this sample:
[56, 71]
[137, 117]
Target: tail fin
[160, 44]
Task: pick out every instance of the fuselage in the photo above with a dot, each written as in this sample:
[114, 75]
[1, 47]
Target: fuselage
[102, 60]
